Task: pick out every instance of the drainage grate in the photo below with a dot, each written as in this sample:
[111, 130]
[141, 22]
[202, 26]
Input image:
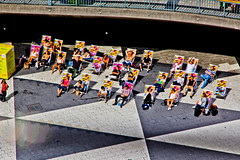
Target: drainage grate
[34, 107]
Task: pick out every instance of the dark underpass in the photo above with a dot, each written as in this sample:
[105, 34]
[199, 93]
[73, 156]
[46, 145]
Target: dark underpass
[121, 32]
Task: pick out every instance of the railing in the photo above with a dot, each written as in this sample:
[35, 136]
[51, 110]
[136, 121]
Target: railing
[208, 7]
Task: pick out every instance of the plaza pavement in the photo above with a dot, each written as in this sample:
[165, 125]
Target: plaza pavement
[35, 124]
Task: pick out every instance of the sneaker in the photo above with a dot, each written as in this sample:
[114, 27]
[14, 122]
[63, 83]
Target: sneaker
[148, 71]
[193, 107]
[185, 95]
[169, 109]
[191, 97]
[114, 104]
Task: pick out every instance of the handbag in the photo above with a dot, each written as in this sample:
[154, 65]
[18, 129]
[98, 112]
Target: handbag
[26, 65]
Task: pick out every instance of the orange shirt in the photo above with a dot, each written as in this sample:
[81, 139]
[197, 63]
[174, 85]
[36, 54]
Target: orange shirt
[4, 87]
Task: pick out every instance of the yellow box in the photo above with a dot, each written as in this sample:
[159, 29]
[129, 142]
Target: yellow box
[7, 61]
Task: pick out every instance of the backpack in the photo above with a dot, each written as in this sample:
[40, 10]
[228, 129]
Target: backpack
[214, 109]
[145, 106]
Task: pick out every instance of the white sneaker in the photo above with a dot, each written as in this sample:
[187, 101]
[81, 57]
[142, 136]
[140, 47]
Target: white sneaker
[169, 109]
[193, 107]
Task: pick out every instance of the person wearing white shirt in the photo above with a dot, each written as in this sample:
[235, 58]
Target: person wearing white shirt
[102, 92]
[190, 67]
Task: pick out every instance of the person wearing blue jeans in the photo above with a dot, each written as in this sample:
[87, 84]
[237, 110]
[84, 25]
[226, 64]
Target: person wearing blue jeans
[209, 74]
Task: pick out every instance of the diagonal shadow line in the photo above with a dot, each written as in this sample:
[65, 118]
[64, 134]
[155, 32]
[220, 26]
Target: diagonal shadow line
[72, 127]
[156, 122]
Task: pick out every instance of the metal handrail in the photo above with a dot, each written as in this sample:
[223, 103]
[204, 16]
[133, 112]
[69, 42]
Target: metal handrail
[207, 7]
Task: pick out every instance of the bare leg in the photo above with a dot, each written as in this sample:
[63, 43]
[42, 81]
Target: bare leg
[55, 65]
[98, 95]
[59, 92]
[81, 95]
[170, 75]
[191, 91]
[59, 69]
[105, 98]
[73, 91]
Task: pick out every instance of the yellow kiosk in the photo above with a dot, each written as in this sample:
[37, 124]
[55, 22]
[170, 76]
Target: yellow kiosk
[7, 61]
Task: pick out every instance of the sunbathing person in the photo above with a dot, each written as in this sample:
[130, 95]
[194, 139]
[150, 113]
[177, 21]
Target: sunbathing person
[47, 43]
[106, 60]
[190, 85]
[86, 53]
[57, 47]
[75, 66]
[209, 74]
[125, 93]
[129, 59]
[203, 103]
[145, 62]
[78, 87]
[64, 84]
[77, 51]
[148, 98]
[179, 80]
[115, 73]
[33, 55]
[102, 92]
[159, 83]
[44, 60]
[190, 66]
[131, 79]
[171, 99]
[177, 66]
[58, 64]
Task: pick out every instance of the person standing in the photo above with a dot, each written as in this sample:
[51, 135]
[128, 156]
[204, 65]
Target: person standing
[4, 90]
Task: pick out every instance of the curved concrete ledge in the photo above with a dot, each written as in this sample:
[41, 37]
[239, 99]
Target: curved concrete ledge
[120, 13]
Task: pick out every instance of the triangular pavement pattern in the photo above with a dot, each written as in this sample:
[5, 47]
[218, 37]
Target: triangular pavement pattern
[223, 137]
[7, 139]
[97, 116]
[45, 76]
[36, 97]
[45, 141]
[129, 150]
[159, 121]
[165, 151]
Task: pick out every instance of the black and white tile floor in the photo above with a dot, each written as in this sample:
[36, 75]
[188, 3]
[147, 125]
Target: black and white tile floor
[35, 124]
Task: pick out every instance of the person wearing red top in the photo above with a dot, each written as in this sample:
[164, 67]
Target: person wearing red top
[63, 85]
[4, 90]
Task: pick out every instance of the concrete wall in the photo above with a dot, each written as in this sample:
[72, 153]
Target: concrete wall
[120, 13]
